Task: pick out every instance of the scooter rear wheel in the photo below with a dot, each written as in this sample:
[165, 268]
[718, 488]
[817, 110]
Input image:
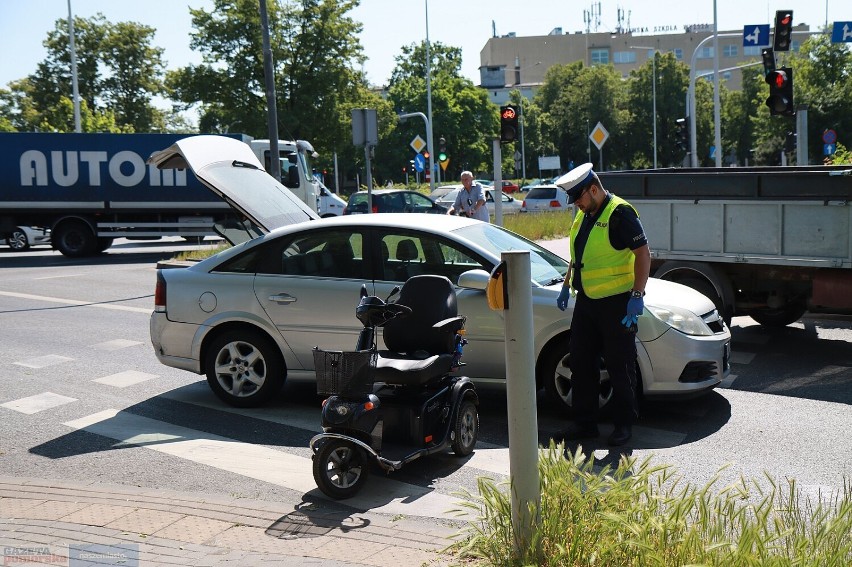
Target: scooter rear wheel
[340, 468]
[465, 429]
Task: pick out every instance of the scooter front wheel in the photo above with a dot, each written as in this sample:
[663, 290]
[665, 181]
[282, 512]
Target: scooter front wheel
[340, 468]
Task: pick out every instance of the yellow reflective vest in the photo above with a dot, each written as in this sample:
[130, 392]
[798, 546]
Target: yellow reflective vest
[604, 270]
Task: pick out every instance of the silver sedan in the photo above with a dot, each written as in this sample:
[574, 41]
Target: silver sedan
[250, 316]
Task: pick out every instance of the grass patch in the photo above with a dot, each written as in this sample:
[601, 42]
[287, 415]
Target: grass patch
[642, 515]
[202, 252]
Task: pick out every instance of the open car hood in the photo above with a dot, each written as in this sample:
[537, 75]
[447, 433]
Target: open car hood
[230, 169]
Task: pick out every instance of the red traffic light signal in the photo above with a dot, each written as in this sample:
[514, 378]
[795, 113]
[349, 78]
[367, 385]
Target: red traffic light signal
[508, 123]
[783, 30]
[780, 101]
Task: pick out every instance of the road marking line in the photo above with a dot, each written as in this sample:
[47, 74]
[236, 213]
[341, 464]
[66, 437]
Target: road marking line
[76, 302]
[43, 361]
[125, 379]
[261, 463]
[116, 344]
[37, 403]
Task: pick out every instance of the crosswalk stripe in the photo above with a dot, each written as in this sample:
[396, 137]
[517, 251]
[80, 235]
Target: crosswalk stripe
[37, 403]
[116, 344]
[261, 463]
[125, 379]
[43, 361]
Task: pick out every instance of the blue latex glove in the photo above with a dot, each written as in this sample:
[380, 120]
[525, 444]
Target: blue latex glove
[635, 307]
[564, 296]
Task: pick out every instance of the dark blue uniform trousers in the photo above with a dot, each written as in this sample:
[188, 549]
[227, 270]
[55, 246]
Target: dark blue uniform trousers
[596, 331]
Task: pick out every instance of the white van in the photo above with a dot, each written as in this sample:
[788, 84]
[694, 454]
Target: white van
[329, 203]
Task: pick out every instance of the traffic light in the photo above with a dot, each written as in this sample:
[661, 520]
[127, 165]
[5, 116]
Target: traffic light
[442, 150]
[783, 30]
[790, 142]
[508, 123]
[426, 154]
[682, 140]
[780, 101]
[768, 60]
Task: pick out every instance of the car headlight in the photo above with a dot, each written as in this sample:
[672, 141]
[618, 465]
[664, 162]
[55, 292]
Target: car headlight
[681, 319]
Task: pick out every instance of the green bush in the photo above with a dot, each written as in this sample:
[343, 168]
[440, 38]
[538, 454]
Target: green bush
[642, 515]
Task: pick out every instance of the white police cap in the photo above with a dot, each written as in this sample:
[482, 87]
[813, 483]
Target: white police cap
[576, 180]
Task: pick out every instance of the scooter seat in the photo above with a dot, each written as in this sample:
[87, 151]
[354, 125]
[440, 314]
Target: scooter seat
[411, 370]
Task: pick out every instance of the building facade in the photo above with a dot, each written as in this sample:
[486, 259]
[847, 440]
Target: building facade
[512, 62]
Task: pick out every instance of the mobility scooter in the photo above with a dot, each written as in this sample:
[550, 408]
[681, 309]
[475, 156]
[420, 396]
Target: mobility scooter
[396, 405]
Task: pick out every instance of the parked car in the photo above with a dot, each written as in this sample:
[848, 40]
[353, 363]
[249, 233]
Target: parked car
[545, 198]
[22, 237]
[532, 183]
[439, 192]
[509, 203]
[251, 315]
[393, 201]
[509, 186]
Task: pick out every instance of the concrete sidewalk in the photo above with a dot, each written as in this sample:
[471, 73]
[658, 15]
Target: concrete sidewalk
[101, 524]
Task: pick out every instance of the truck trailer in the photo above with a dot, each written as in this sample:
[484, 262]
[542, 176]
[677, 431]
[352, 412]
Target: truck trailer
[89, 189]
[768, 242]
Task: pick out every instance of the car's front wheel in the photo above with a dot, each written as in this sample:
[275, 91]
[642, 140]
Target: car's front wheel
[558, 383]
[244, 368]
[17, 240]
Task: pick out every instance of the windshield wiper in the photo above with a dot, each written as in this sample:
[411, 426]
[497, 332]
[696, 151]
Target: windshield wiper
[556, 280]
[237, 163]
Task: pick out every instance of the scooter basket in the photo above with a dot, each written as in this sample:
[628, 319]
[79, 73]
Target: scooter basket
[344, 372]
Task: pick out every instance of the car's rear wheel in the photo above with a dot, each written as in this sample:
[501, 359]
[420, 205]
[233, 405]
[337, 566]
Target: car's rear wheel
[558, 384]
[244, 368]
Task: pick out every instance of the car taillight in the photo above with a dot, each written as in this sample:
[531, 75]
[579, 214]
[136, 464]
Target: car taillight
[555, 204]
[375, 208]
[160, 294]
[524, 204]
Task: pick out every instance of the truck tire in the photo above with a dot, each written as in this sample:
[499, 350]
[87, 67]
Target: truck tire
[74, 238]
[104, 243]
[703, 278]
[780, 317]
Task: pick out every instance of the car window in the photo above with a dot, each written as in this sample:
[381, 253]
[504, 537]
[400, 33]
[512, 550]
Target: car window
[548, 193]
[405, 255]
[324, 253]
[545, 266]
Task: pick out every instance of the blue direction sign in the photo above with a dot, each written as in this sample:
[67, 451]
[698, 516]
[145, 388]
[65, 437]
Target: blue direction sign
[419, 162]
[756, 35]
[841, 32]
[828, 149]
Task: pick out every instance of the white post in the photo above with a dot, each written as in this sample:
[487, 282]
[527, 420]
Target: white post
[429, 143]
[520, 397]
[717, 121]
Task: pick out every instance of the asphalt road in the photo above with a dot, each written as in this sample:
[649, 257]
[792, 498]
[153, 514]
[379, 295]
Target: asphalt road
[84, 397]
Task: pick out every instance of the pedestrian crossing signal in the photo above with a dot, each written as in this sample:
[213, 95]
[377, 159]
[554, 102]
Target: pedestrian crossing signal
[508, 123]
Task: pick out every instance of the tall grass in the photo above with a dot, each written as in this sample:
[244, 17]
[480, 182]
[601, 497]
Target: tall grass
[540, 226]
[643, 515]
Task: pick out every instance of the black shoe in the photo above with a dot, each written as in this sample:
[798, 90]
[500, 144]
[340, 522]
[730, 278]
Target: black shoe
[620, 435]
[577, 431]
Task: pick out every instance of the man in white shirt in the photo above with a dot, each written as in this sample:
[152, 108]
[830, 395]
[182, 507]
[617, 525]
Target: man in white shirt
[470, 201]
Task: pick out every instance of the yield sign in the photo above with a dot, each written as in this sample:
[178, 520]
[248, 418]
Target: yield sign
[599, 135]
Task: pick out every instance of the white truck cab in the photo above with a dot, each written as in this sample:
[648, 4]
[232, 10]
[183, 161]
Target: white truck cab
[296, 170]
[330, 204]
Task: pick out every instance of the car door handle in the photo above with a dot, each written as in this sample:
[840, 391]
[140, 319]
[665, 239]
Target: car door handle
[282, 298]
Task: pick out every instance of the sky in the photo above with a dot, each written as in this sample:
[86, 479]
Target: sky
[391, 24]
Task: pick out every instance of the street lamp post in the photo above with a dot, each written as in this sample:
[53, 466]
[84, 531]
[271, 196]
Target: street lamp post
[429, 105]
[653, 94]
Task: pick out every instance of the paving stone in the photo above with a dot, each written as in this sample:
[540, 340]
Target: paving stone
[144, 521]
[97, 514]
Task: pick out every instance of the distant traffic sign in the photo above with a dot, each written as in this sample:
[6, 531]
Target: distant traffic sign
[599, 135]
[829, 149]
[756, 35]
[841, 32]
[419, 162]
[418, 143]
[829, 136]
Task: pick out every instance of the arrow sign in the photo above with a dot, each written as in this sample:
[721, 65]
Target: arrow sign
[419, 162]
[841, 32]
[756, 35]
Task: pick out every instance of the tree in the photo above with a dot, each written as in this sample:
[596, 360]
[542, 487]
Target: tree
[314, 49]
[118, 74]
[461, 112]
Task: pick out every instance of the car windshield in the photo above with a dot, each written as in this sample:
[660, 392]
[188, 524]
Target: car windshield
[546, 268]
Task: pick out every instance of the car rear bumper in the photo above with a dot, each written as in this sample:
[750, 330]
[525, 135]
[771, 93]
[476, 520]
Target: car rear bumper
[173, 343]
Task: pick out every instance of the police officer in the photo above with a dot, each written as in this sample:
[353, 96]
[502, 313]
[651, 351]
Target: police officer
[610, 263]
